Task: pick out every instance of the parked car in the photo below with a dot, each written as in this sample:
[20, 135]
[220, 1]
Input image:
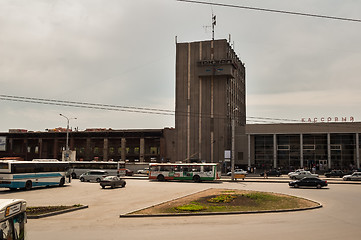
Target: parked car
[296, 171]
[335, 173]
[354, 176]
[128, 172]
[238, 171]
[302, 174]
[93, 175]
[308, 182]
[143, 171]
[112, 181]
[271, 173]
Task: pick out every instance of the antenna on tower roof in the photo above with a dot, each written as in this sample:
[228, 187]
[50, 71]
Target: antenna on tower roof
[213, 24]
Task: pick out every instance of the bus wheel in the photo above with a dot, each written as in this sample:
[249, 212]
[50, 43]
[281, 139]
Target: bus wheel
[28, 185]
[197, 178]
[73, 175]
[160, 178]
[62, 182]
[98, 179]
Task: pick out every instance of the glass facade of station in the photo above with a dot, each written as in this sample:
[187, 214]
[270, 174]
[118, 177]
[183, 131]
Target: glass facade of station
[291, 151]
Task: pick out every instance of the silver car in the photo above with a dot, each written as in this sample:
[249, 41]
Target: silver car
[93, 175]
[353, 176]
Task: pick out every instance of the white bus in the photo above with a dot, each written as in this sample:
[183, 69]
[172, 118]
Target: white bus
[184, 171]
[77, 168]
[27, 174]
[12, 219]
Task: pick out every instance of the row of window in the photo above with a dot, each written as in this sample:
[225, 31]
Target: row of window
[309, 147]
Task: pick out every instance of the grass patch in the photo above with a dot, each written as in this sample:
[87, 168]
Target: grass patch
[35, 211]
[221, 200]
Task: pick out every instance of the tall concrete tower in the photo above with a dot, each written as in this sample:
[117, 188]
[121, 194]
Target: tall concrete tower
[210, 93]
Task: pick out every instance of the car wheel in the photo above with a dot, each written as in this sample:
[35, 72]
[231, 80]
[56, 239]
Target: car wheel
[197, 179]
[82, 179]
[98, 179]
[319, 186]
[123, 184]
[160, 178]
[103, 187]
[112, 186]
[28, 185]
[296, 185]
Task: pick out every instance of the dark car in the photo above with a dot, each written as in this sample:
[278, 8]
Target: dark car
[128, 172]
[272, 173]
[308, 182]
[112, 181]
[335, 173]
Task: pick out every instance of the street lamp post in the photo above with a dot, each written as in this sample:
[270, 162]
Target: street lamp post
[233, 153]
[67, 136]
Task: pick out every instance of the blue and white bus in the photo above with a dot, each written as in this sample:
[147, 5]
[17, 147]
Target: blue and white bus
[28, 174]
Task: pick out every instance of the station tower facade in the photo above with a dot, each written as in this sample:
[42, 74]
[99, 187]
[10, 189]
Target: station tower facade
[210, 97]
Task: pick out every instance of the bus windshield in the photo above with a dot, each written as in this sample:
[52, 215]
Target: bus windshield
[12, 219]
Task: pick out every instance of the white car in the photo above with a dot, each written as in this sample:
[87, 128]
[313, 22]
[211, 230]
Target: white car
[238, 171]
[302, 174]
[143, 171]
[297, 171]
[354, 176]
[93, 175]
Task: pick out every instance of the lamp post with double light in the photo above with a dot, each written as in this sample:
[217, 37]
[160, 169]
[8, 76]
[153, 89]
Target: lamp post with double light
[67, 137]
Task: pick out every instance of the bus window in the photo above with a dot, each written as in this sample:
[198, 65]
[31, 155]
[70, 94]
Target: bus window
[207, 168]
[6, 230]
[196, 168]
[154, 168]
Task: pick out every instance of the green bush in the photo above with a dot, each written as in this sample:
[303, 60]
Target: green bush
[191, 208]
[223, 198]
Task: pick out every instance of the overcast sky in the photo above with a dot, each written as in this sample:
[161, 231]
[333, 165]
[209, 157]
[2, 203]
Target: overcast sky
[122, 52]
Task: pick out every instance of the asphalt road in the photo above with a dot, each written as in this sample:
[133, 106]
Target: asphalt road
[339, 218]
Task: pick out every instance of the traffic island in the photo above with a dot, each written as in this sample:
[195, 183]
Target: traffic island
[47, 211]
[226, 201]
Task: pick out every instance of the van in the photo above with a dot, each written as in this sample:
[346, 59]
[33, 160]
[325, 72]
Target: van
[93, 175]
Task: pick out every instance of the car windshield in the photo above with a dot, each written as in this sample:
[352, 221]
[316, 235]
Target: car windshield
[110, 178]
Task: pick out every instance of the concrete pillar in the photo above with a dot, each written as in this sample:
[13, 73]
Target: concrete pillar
[40, 148]
[105, 149]
[329, 150]
[123, 147]
[141, 150]
[274, 151]
[301, 150]
[357, 151]
[249, 150]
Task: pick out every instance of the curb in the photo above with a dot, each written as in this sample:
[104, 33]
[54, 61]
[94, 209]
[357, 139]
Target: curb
[219, 213]
[56, 213]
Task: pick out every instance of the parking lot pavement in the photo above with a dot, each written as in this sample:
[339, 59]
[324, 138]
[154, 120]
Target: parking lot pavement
[101, 220]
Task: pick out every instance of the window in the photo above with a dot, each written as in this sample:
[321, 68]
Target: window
[283, 147]
[309, 147]
[207, 168]
[153, 150]
[335, 147]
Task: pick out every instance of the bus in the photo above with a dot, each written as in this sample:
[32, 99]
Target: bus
[28, 174]
[12, 219]
[77, 168]
[184, 171]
